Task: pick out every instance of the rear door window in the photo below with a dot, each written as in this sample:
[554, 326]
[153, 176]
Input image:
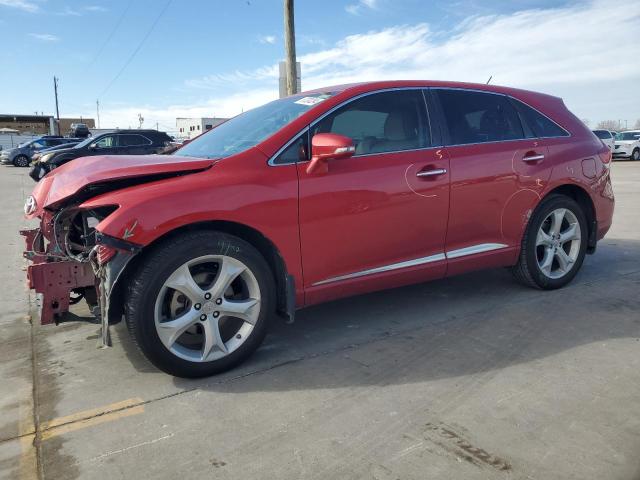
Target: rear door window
[381, 122]
[478, 117]
[133, 141]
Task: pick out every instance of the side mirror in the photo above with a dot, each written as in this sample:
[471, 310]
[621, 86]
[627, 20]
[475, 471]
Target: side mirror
[328, 146]
[93, 146]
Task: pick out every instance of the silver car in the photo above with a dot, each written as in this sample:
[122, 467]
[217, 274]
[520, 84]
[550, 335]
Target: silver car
[20, 156]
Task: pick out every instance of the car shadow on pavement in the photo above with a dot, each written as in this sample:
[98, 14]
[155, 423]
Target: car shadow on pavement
[442, 329]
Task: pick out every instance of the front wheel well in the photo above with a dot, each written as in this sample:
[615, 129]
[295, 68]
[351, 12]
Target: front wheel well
[266, 248]
[583, 199]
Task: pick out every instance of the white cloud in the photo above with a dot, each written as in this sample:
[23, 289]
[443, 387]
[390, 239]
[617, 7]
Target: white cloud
[271, 39]
[25, 5]
[222, 106]
[94, 8]
[563, 51]
[361, 5]
[45, 37]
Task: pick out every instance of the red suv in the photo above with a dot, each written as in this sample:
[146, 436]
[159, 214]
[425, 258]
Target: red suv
[325, 194]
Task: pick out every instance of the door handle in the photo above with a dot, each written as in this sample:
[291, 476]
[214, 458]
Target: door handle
[431, 173]
[533, 158]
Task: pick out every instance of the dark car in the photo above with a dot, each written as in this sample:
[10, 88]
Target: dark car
[20, 156]
[118, 142]
[79, 130]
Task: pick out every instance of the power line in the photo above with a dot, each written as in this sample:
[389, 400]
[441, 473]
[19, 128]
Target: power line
[137, 49]
[110, 36]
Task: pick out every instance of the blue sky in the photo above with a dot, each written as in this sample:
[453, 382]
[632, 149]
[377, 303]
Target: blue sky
[215, 57]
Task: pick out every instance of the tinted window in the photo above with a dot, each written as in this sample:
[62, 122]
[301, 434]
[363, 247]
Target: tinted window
[382, 122]
[296, 152]
[541, 125]
[132, 140]
[476, 117]
[603, 134]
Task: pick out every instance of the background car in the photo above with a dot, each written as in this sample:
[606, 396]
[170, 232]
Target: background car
[627, 145]
[606, 136]
[79, 130]
[118, 142]
[21, 155]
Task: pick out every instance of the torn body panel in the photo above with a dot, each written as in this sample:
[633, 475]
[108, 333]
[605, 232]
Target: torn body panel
[68, 256]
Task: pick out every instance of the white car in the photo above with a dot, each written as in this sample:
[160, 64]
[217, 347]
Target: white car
[606, 136]
[627, 145]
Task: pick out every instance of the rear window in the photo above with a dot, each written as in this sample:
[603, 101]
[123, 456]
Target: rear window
[478, 117]
[602, 134]
[542, 126]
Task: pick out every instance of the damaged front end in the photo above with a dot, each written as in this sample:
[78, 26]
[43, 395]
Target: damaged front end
[70, 260]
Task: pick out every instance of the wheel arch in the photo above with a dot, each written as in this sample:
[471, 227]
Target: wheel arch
[582, 197]
[264, 245]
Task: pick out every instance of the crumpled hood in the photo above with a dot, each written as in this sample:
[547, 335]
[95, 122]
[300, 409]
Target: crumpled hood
[69, 179]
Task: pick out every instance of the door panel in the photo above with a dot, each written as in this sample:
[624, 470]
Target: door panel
[497, 175]
[492, 189]
[372, 211]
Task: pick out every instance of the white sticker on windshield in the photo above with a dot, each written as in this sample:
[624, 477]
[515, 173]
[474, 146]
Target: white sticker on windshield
[310, 100]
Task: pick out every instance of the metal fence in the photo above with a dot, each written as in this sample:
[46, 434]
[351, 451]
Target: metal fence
[8, 141]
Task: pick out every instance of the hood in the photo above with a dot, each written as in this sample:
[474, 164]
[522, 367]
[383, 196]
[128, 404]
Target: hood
[110, 173]
[626, 142]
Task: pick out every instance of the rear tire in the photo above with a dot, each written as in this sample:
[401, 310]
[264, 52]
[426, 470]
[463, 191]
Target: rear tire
[200, 303]
[554, 244]
[21, 161]
[635, 155]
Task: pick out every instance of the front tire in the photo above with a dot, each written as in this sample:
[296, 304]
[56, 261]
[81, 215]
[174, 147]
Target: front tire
[21, 161]
[200, 303]
[554, 245]
[635, 155]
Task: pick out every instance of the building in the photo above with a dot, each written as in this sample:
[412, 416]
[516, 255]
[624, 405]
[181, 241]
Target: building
[40, 124]
[282, 81]
[192, 127]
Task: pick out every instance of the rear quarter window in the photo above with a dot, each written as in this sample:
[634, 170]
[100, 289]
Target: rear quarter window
[542, 126]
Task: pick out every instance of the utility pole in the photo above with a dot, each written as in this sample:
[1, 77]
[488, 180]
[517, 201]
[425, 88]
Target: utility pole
[98, 111]
[290, 47]
[55, 91]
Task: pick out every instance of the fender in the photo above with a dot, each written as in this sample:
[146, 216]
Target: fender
[266, 201]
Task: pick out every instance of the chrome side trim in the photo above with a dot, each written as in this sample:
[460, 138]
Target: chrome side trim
[387, 268]
[473, 249]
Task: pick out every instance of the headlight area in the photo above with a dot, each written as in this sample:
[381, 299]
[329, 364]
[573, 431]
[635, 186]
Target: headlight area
[67, 262]
[74, 231]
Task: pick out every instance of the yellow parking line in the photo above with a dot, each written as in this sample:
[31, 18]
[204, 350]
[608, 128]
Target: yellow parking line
[89, 418]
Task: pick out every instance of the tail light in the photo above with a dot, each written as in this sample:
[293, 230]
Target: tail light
[605, 156]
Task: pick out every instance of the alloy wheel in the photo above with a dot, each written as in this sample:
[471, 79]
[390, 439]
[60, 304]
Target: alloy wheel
[558, 243]
[207, 308]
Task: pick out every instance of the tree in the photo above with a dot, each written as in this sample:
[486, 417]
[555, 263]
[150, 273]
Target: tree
[608, 125]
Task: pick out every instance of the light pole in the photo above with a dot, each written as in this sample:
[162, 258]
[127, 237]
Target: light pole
[290, 47]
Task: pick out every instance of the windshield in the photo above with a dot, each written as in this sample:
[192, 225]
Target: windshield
[628, 136]
[250, 128]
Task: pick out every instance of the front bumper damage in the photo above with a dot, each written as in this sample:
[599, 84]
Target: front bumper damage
[57, 276]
